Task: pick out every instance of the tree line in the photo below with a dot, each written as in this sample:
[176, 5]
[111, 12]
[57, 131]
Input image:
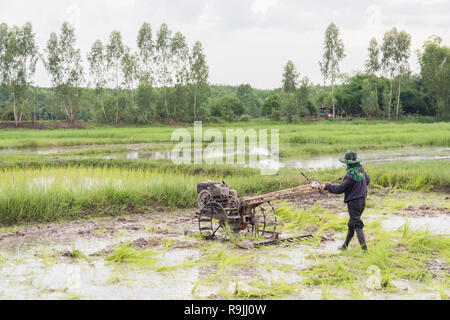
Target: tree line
[163, 79]
[385, 88]
[166, 80]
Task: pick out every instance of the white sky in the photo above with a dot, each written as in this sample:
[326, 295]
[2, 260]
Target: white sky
[245, 41]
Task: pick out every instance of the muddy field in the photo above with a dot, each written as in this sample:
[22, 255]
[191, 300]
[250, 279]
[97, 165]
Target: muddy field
[166, 259]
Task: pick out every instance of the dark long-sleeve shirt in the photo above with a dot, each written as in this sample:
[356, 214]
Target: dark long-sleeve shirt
[353, 189]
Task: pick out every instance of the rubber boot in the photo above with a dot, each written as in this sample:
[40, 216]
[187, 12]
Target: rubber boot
[361, 238]
[349, 237]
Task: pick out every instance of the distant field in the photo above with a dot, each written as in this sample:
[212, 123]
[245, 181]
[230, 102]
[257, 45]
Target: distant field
[308, 138]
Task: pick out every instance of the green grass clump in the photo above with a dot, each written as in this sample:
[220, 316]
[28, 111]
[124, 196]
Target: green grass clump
[77, 254]
[126, 254]
[72, 296]
[262, 290]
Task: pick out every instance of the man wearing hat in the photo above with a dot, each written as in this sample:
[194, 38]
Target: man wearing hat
[354, 186]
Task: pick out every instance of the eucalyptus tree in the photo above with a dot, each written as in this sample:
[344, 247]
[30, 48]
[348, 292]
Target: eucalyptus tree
[18, 57]
[163, 60]
[373, 64]
[332, 56]
[388, 62]
[98, 70]
[63, 63]
[146, 53]
[180, 56]
[199, 71]
[396, 50]
[129, 67]
[115, 51]
[146, 66]
[401, 56]
[435, 72]
[290, 77]
[289, 83]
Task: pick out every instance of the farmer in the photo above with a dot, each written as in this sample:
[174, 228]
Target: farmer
[355, 187]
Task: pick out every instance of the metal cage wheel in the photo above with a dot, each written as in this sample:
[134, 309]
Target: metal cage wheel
[211, 221]
[264, 221]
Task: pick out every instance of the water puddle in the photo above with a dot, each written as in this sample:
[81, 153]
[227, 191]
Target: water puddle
[310, 163]
[439, 224]
[404, 154]
[214, 154]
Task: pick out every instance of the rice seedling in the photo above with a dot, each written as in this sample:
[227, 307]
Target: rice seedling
[125, 254]
[263, 290]
[442, 292]
[72, 296]
[77, 254]
[167, 244]
[118, 278]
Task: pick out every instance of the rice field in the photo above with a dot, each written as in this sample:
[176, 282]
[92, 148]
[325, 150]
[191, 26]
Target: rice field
[128, 224]
[43, 192]
[304, 138]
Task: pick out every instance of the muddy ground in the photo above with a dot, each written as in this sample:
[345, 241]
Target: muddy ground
[69, 260]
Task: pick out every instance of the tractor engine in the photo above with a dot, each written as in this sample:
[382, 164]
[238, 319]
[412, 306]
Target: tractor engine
[217, 192]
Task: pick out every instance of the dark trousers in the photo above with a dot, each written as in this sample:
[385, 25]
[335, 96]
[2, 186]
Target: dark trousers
[355, 210]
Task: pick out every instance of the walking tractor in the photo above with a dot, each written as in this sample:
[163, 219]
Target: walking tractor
[222, 214]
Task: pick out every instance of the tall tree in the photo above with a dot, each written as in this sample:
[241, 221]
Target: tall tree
[290, 77]
[396, 50]
[289, 83]
[180, 54]
[98, 71]
[401, 56]
[435, 72]
[388, 62]
[129, 66]
[332, 56]
[199, 71]
[146, 52]
[115, 52]
[18, 56]
[373, 65]
[146, 56]
[163, 61]
[64, 65]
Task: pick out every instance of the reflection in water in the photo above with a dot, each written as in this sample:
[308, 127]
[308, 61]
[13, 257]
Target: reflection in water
[142, 151]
